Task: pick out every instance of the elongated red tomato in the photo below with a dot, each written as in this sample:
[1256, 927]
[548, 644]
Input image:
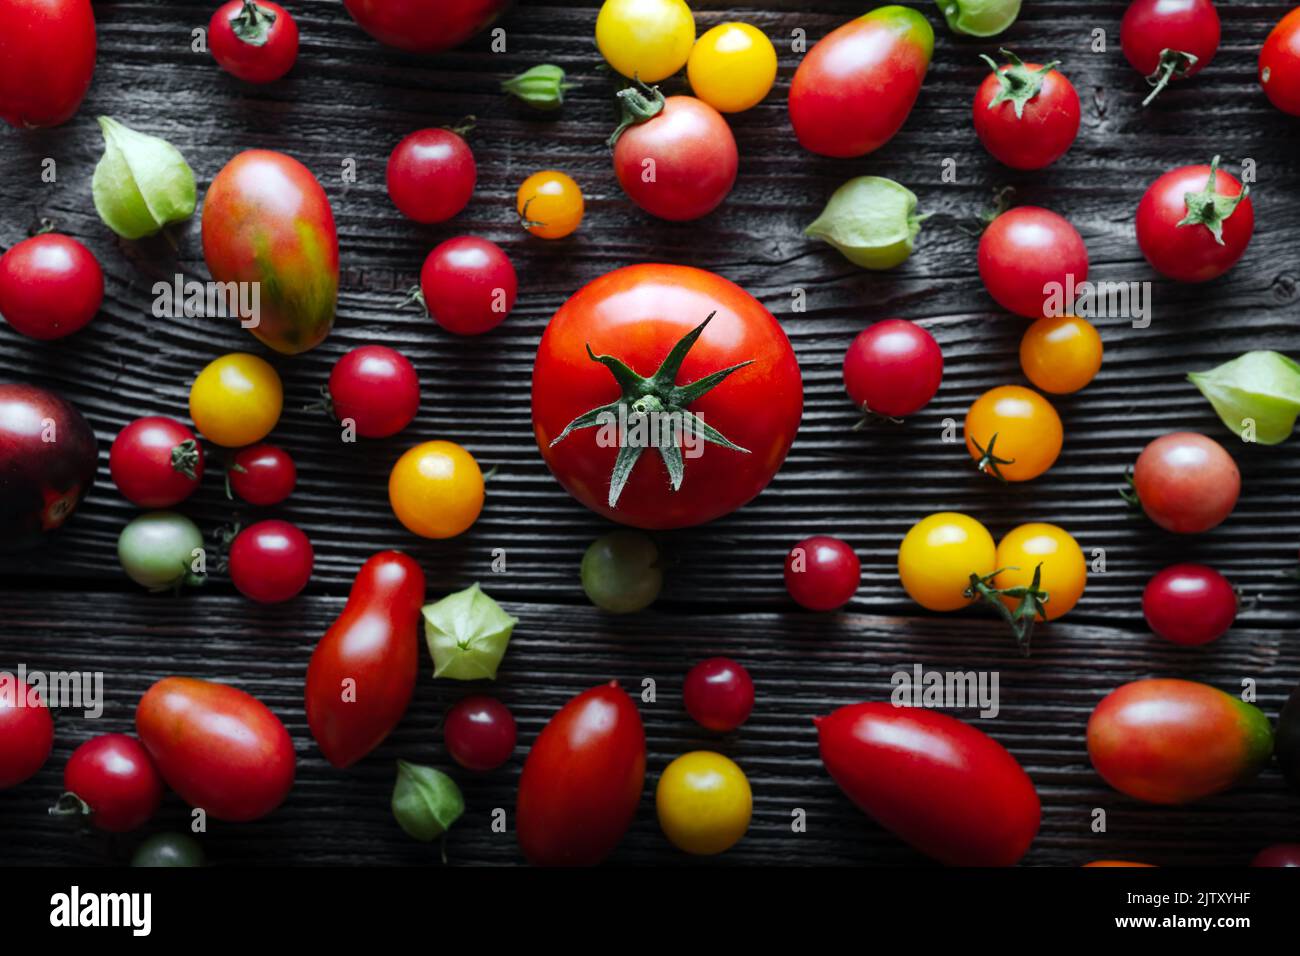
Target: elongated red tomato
[948, 789]
[424, 26]
[1173, 741]
[219, 748]
[26, 733]
[856, 87]
[47, 58]
[582, 780]
[362, 673]
[266, 220]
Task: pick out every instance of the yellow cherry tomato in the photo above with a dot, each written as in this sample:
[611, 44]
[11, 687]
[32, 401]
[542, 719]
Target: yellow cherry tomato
[436, 489]
[647, 39]
[938, 556]
[236, 400]
[1061, 354]
[1064, 571]
[704, 803]
[1013, 433]
[549, 204]
[732, 67]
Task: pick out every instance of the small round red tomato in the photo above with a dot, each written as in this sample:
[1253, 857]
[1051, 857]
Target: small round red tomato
[719, 694]
[255, 40]
[375, 388]
[113, 780]
[1189, 604]
[893, 368]
[1186, 482]
[50, 286]
[26, 733]
[480, 733]
[431, 175]
[262, 474]
[424, 26]
[1279, 64]
[1026, 114]
[270, 561]
[1168, 40]
[1195, 222]
[156, 462]
[47, 58]
[468, 285]
[822, 573]
[1280, 854]
[1031, 260]
[675, 158]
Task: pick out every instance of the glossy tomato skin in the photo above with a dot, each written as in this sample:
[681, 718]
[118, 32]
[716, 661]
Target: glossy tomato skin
[431, 175]
[267, 220]
[375, 643]
[376, 388]
[1279, 854]
[718, 694]
[26, 734]
[1187, 483]
[941, 785]
[480, 733]
[638, 314]
[156, 462]
[856, 86]
[218, 747]
[1279, 64]
[469, 285]
[1190, 253]
[115, 777]
[254, 63]
[262, 474]
[695, 160]
[893, 368]
[424, 26]
[582, 780]
[822, 573]
[1150, 27]
[47, 58]
[1189, 604]
[1028, 256]
[271, 561]
[50, 286]
[1043, 132]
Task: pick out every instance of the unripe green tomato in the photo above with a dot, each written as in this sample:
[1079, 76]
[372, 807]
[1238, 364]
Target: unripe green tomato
[159, 550]
[621, 573]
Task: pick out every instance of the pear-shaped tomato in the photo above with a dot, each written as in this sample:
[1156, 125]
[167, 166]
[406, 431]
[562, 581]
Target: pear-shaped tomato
[267, 224]
[582, 780]
[362, 673]
[948, 789]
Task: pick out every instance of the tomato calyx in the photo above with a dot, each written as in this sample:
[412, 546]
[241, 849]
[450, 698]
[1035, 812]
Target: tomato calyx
[1210, 208]
[1031, 599]
[989, 463]
[648, 402]
[71, 808]
[1018, 83]
[254, 23]
[638, 106]
[464, 126]
[1129, 493]
[870, 417]
[185, 458]
[1174, 64]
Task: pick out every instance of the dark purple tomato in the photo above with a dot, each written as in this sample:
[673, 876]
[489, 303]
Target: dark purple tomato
[431, 175]
[480, 733]
[893, 368]
[270, 561]
[718, 694]
[822, 573]
[1189, 604]
[262, 474]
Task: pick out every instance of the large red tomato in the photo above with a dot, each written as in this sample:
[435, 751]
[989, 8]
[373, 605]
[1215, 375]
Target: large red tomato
[1279, 64]
[726, 397]
[47, 57]
[424, 26]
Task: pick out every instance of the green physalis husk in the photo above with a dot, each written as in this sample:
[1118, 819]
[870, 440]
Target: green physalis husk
[1257, 390]
[979, 18]
[467, 633]
[871, 220]
[541, 87]
[141, 183]
[426, 802]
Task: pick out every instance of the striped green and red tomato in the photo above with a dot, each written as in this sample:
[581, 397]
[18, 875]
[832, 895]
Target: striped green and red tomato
[1173, 741]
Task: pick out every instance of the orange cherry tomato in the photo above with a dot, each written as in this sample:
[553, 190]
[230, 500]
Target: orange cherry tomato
[549, 204]
[1063, 574]
[436, 489]
[1013, 433]
[1061, 354]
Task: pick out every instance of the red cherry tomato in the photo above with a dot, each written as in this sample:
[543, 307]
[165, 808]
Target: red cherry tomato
[1186, 483]
[431, 175]
[156, 462]
[271, 561]
[582, 780]
[50, 286]
[1189, 604]
[893, 368]
[1030, 256]
[1168, 40]
[948, 789]
[26, 734]
[1195, 222]
[255, 40]
[681, 162]
[373, 649]
[1026, 114]
[822, 573]
[480, 733]
[468, 285]
[718, 694]
[47, 57]
[262, 474]
[113, 779]
[1280, 854]
[1279, 64]
[424, 26]
[376, 388]
[219, 748]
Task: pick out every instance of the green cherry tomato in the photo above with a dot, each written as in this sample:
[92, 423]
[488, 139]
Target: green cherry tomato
[161, 550]
[168, 849]
[621, 573]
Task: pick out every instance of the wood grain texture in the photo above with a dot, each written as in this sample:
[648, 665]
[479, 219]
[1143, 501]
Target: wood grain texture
[348, 98]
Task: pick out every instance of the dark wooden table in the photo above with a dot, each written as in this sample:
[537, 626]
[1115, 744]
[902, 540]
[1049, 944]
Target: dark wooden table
[71, 608]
